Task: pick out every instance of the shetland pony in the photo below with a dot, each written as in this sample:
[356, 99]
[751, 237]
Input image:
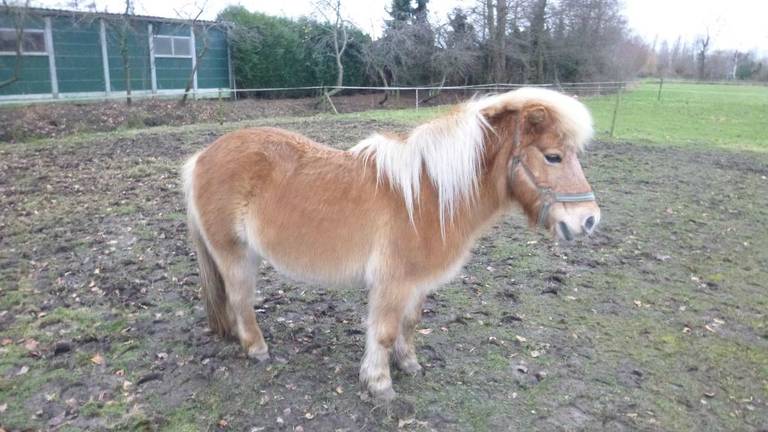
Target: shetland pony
[396, 214]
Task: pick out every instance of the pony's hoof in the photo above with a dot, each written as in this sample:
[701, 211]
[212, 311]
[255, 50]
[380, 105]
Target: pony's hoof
[411, 366]
[259, 353]
[386, 394]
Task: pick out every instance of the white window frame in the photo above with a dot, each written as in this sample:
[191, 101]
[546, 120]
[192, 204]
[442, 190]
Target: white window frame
[25, 31]
[173, 49]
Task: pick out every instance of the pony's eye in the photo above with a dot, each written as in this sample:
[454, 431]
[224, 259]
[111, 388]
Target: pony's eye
[553, 158]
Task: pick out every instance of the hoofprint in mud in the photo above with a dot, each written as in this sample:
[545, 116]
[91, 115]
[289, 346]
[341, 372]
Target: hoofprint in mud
[398, 215]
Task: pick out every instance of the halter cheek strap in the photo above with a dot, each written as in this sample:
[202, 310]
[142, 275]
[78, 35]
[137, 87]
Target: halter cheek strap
[547, 195]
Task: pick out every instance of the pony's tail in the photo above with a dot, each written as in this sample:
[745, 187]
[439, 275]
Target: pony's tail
[213, 290]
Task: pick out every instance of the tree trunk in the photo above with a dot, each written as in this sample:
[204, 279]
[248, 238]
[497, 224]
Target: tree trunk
[191, 79]
[538, 31]
[338, 50]
[124, 50]
[500, 60]
[126, 67]
[702, 55]
[490, 40]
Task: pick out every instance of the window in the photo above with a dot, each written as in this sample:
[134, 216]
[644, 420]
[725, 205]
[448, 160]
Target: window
[172, 46]
[32, 41]
[163, 46]
[181, 47]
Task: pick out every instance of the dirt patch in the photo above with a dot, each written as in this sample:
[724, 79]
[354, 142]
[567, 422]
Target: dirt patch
[20, 123]
[656, 323]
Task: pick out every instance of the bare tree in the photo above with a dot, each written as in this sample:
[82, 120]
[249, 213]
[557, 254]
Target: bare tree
[489, 33]
[123, 32]
[494, 16]
[538, 36]
[499, 42]
[18, 15]
[199, 55]
[456, 58]
[702, 49]
[663, 59]
[331, 12]
[77, 5]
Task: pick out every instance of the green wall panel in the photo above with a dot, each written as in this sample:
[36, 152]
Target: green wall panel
[77, 47]
[33, 78]
[138, 55]
[30, 21]
[213, 70]
[172, 73]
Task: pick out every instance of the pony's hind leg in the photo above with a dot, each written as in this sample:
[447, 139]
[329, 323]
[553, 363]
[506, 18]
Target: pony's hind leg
[387, 303]
[240, 276]
[405, 350]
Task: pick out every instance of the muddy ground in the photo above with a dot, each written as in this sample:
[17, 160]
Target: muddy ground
[48, 120]
[656, 323]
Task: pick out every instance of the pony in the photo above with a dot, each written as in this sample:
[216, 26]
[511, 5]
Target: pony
[397, 214]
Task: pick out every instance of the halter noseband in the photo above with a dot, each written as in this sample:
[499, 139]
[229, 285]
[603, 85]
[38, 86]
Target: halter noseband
[547, 195]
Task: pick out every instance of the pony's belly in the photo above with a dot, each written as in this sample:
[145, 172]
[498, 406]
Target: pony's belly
[312, 246]
[312, 270]
[310, 262]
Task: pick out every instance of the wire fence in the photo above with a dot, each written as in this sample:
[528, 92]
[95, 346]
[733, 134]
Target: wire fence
[621, 109]
[416, 96]
[423, 95]
[352, 98]
[358, 98]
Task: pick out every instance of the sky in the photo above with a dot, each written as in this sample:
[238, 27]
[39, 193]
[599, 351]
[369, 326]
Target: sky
[732, 24]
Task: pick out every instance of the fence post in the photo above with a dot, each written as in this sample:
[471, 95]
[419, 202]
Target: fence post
[417, 98]
[661, 83]
[616, 108]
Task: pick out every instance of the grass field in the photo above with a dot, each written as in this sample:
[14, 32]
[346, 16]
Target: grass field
[701, 115]
[656, 323]
[723, 116]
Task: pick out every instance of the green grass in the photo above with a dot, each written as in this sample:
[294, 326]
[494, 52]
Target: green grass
[406, 116]
[723, 116]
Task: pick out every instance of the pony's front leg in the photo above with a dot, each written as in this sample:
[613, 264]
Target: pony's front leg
[405, 350]
[386, 307]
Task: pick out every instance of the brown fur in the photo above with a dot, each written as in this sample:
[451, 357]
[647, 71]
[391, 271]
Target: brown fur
[321, 214]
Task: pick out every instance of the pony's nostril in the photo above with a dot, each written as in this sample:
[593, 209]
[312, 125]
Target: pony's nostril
[589, 223]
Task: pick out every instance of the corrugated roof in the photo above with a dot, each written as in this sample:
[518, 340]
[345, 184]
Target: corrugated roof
[60, 12]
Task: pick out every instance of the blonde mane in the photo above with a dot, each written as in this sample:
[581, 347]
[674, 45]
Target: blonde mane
[450, 148]
[572, 119]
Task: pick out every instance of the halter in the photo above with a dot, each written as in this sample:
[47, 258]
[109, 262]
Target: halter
[546, 194]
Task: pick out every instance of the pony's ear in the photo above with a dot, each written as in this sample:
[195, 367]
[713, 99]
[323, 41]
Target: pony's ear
[536, 115]
[495, 111]
[499, 115]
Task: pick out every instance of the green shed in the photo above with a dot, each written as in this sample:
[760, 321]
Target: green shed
[48, 54]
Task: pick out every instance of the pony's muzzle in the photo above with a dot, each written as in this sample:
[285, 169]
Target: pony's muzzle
[564, 232]
[574, 220]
